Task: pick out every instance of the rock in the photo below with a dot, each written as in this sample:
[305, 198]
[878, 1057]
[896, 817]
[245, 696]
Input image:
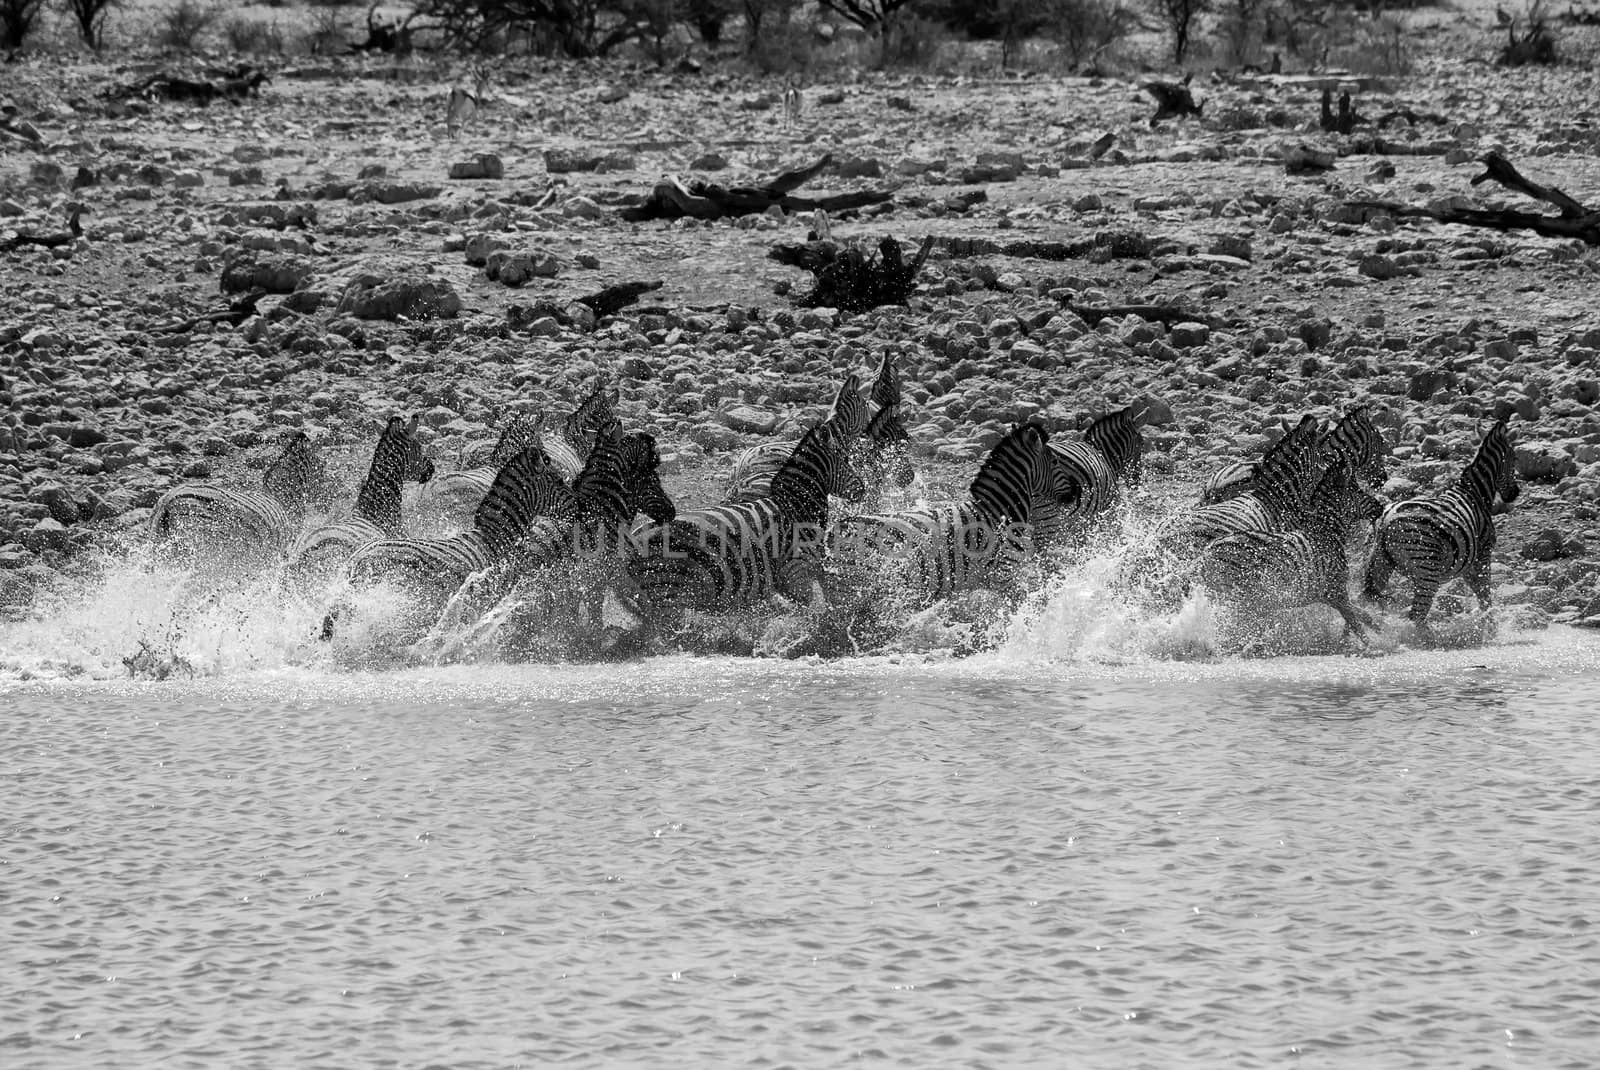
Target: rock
[858, 167]
[46, 534]
[275, 274]
[611, 94]
[1236, 246]
[1428, 382]
[47, 173]
[1189, 334]
[480, 247]
[1376, 266]
[1151, 411]
[582, 208]
[567, 161]
[41, 339]
[372, 297]
[384, 192]
[483, 165]
[1551, 545]
[748, 419]
[1500, 349]
[709, 161]
[515, 268]
[241, 176]
[1544, 464]
[1316, 333]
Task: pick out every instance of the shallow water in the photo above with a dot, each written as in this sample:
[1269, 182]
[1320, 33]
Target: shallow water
[1076, 849]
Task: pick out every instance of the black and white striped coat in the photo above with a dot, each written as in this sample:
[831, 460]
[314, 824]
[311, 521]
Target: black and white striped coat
[1441, 537]
[736, 555]
[1091, 473]
[957, 546]
[449, 500]
[397, 459]
[1354, 440]
[245, 526]
[1259, 573]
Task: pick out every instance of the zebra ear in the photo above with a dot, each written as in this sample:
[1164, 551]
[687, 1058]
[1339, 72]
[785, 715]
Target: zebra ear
[411, 427]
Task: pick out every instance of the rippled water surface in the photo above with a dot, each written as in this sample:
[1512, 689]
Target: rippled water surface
[1006, 861]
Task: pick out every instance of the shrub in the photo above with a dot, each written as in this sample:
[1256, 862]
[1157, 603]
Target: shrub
[90, 15]
[182, 25]
[1529, 40]
[251, 37]
[1087, 29]
[16, 20]
[1179, 17]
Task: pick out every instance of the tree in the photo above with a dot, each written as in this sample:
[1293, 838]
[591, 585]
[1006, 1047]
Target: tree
[16, 19]
[91, 18]
[874, 16]
[1179, 15]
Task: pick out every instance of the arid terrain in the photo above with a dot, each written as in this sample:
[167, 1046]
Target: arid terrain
[330, 189]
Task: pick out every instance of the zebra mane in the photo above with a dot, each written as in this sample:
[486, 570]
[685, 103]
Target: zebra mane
[1004, 483]
[1330, 496]
[602, 474]
[1117, 438]
[885, 391]
[1282, 473]
[1482, 476]
[800, 478]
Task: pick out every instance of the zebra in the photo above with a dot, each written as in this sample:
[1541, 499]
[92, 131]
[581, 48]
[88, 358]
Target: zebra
[396, 459]
[1091, 472]
[1278, 488]
[883, 450]
[959, 546]
[569, 446]
[729, 556]
[243, 526]
[429, 571]
[1260, 571]
[449, 500]
[1355, 438]
[1438, 538]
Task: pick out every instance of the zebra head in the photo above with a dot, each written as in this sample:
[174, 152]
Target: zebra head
[641, 478]
[1356, 439]
[885, 392]
[592, 413]
[1339, 503]
[526, 487]
[296, 474]
[849, 409]
[1019, 477]
[1285, 470]
[885, 458]
[1492, 475]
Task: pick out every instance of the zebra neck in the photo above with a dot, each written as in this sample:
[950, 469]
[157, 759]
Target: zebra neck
[378, 502]
[799, 497]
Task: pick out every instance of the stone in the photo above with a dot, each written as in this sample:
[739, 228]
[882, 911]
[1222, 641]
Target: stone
[1551, 545]
[1428, 382]
[1544, 464]
[479, 247]
[748, 419]
[515, 268]
[1377, 266]
[46, 534]
[483, 165]
[1189, 334]
[369, 297]
[709, 161]
[582, 208]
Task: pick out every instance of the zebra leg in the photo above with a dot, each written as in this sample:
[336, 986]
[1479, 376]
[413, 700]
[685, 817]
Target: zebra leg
[1379, 569]
[1356, 621]
[1477, 578]
[1422, 602]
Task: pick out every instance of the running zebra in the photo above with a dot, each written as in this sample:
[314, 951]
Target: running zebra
[568, 447]
[736, 555]
[884, 448]
[1091, 473]
[1354, 439]
[1436, 539]
[396, 459]
[429, 571]
[220, 524]
[448, 501]
[958, 546]
[1258, 572]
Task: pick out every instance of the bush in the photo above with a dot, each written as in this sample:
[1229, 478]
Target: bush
[250, 37]
[16, 20]
[912, 41]
[1087, 29]
[1529, 40]
[182, 25]
[90, 16]
[1179, 17]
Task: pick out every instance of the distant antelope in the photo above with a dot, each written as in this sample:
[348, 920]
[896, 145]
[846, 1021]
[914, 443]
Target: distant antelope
[793, 102]
[463, 106]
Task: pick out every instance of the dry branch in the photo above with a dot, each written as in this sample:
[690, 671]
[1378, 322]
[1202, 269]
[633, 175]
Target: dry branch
[1574, 221]
[852, 280]
[671, 199]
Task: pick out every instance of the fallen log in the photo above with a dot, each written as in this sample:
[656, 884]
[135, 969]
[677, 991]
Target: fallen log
[1574, 219]
[613, 299]
[239, 309]
[46, 241]
[1109, 244]
[671, 199]
[1167, 314]
[232, 85]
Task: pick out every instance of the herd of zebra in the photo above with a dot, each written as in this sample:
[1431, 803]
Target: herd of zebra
[550, 515]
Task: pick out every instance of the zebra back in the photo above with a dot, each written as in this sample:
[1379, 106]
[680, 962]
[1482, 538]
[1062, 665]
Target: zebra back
[1493, 472]
[753, 469]
[1280, 478]
[397, 458]
[527, 487]
[1017, 476]
[599, 487]
[849, 408]
[1355, 440]
[1117, 437]
[819, 466]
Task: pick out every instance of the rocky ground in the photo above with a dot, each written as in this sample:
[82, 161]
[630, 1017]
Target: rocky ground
[333, 190]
